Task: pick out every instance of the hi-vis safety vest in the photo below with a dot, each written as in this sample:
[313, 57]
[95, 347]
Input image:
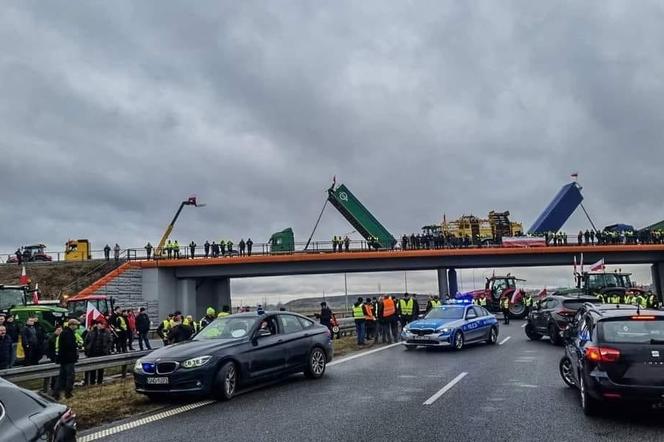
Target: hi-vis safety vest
[223, 314]
[505, 303]
[406, 306]
[388, 307]
[167, 324]
[482, 302]
[528, 301]
[358, 312]
[615, 299]
[368, 312]
[122, 324]
[435, 304]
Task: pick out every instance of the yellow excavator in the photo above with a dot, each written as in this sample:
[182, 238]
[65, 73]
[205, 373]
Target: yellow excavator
[191, 201]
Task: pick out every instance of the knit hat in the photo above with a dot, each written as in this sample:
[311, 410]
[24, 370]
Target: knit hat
[210, 311]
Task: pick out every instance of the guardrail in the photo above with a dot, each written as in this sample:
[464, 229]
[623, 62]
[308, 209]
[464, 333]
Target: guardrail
[45, 371]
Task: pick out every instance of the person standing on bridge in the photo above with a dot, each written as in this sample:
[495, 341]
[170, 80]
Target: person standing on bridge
[592, 237]
[222, 247]
[347, 243]
[241, 245]
[505, 308]
[206, 248]
[229, 247]
[250, 244]
[169, 249]
[107, 252]
[579, 238]
[192, 249]
[176, 249]
[116, 251]
[360, 323]
[148, 250]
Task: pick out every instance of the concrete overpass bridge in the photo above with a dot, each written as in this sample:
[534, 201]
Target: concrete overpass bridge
[190, 285]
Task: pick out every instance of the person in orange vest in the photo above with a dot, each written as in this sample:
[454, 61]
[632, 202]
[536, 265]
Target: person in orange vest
[370, 321]
[386, 313]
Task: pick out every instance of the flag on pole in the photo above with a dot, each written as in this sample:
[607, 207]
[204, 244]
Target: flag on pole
[575, 264]
[599, 265]
[541, 294]
[581, 262]
[24, 280]
[91, 314]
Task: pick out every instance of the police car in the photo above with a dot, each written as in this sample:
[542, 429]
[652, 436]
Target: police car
[455, 324]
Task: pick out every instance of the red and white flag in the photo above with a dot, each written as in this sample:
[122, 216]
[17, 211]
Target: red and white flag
[91, 314]
[599, 265]
[24, 280]
[541, 294]
[575, 264]
[35, 294]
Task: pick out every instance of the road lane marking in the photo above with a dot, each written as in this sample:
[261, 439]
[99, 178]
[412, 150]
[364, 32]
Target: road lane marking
[359, 355]
[143, 421]
[505, 340]
[445, 389]
[524, 324]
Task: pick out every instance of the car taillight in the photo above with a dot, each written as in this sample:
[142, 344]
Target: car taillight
[602, 354]
[645, 317]
[567, 313]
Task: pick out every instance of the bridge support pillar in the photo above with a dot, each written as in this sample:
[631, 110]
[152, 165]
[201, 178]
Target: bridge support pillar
[159, 291]
[657, 271]
[213, 293]
[452, 282]
[186, 296]
[443, 287]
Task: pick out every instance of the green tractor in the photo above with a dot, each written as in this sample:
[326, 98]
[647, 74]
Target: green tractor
[16, 300]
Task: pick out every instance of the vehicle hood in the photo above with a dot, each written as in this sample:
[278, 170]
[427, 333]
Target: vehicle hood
[190, 349]
[434, 323]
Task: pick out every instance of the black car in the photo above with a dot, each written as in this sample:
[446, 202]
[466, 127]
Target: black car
[27, 416]
[553, 314]
[235, 351]
[615, 353]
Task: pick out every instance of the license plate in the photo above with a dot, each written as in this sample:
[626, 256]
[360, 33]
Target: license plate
[157, 380]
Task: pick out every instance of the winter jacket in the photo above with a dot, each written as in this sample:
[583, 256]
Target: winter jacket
[67, 348]
[143, 323]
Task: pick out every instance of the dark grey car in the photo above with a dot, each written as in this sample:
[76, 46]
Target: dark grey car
[235, 351]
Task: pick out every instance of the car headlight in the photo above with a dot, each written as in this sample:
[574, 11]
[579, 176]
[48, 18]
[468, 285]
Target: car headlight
[138, 366]
[443, 330]
[196, 362]
[406, 329]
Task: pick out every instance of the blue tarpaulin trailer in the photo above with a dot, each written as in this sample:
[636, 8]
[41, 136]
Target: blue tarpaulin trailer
[559, 210]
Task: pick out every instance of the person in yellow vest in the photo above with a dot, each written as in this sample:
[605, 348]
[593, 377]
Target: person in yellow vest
[370, 321]
[195, 326]
[482, 300]
[528, 303]
[405, 309]
[225, 311]
[169, 249]
[360, 323]
[210, 315]
[615, 298]
[505, 308]
[433, 303]
[652, 300]
[641, 300]
[629, 298]
[121, 330]
[176, 249]
[164, 328]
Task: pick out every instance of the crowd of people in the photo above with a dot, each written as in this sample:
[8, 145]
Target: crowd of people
[174, 250]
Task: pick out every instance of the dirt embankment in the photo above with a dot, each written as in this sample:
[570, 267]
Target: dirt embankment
[55, 278]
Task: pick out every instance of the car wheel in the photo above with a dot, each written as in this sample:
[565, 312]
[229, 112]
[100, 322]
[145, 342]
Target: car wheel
[553, 335]
[316, 363]
[531, 333]
[458, 341]
[226, 382]
[589, 404]
[565, 367]
[493, 336]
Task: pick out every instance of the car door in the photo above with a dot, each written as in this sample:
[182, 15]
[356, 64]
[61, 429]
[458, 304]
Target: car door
[483, 321]
[296, 341]
[471, 328]
[540, 320]
[577, 345]
[267, 355]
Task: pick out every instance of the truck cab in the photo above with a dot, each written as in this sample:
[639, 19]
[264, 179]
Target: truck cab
[77, 250]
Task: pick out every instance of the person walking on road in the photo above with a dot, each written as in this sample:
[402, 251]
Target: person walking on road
[325, 317]
[250, 244]
[143, 328]
[528, 303]
[360, 323]
[107, 252]
[67, 351]
[505, 308]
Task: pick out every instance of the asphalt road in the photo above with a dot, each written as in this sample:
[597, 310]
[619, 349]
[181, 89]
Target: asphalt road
[510, 392]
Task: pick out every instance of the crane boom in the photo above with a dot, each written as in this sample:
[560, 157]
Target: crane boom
[160, 247]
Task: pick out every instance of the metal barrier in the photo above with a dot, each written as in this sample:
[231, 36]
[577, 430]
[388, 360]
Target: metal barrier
[42, 371]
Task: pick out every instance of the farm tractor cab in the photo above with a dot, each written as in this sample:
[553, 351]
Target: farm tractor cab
[494, 289]
[17, 301]
[595, 283]
[77, 305]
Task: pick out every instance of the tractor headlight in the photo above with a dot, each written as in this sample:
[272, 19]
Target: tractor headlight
[196, 362]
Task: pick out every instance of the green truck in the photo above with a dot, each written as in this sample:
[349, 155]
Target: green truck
[360, 218]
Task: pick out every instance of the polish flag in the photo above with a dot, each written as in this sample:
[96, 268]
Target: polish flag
[599, 265]
[91, 315]
[24, 280]
[575, 264]
[541, 294]
[35, 294]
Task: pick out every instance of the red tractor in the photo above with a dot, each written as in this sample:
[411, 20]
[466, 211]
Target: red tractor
[494, 289]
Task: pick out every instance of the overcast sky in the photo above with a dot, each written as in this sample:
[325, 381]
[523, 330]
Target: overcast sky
[111, 113]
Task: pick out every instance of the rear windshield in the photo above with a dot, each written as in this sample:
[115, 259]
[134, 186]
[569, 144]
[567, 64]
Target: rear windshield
[576, 304]
[633, 331]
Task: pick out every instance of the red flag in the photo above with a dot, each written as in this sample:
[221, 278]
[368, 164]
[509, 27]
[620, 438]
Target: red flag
[599, 265]
[24, 280]
[542, 293]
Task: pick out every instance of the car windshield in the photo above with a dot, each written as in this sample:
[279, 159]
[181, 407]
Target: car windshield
[445, 313]
[227, 328]
[10, 298]
[634, 331]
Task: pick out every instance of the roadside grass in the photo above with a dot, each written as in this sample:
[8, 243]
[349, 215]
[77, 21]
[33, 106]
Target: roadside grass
[96, 405]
